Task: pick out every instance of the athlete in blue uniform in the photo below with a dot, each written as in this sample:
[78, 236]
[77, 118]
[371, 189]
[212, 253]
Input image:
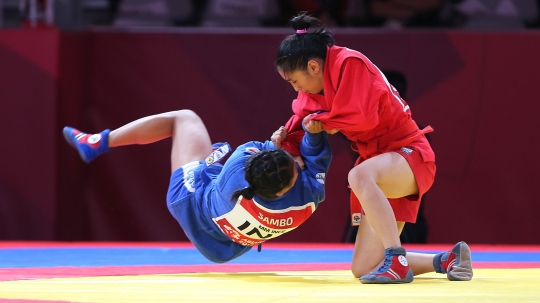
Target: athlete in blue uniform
[259, 194]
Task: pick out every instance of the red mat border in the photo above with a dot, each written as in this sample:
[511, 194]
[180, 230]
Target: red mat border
[282, 245]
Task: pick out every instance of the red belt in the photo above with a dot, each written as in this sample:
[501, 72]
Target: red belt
[391, 141]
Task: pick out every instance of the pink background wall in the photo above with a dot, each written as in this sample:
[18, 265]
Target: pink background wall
[477, 89]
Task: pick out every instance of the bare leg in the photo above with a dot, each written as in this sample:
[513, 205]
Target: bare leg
[144, 130]
[369, 252]
[191, 141]
[420, 263]
[373, 182]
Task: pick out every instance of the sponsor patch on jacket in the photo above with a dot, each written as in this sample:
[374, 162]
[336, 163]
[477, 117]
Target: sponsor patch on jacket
[217, 154]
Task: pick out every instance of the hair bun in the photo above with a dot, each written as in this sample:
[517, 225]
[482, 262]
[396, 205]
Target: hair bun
[303, 21]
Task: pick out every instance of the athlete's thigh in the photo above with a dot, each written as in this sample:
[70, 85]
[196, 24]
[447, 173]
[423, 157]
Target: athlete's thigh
[392, 173]
[191, 141]
[368, 251]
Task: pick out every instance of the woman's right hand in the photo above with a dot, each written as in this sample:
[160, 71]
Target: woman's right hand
[312, 126]
[315, 126]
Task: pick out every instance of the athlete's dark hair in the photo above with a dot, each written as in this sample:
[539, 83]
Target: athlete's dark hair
[296, 50]
[267, 173]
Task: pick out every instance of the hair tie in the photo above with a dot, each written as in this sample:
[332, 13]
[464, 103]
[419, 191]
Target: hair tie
[301, 31]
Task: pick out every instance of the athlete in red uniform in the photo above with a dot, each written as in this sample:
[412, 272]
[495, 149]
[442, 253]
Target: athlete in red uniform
[396, 164]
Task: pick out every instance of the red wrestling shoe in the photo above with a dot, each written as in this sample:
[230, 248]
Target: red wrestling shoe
[456, 264]
[89, 146]
[395, 269]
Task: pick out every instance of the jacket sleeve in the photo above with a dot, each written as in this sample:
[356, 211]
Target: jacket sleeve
[295, 133]
[317, 155]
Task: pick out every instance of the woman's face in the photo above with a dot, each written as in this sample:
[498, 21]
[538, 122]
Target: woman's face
[309, 81]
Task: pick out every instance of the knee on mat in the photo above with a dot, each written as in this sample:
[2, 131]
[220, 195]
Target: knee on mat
[359, 272]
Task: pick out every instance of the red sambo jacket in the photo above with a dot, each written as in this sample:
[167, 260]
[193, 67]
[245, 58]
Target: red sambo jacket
[359, 101]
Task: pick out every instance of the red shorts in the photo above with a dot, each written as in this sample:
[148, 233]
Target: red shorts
[406, 208]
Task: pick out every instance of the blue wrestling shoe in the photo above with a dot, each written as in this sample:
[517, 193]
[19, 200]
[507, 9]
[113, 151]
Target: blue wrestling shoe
[456, 263]
[89, 146]
[395, 269]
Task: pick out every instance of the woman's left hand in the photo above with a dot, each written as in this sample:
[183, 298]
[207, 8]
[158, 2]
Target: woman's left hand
[312, 126]
[278, 136]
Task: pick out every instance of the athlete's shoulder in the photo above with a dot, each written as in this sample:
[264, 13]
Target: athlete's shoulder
[344, 55]
[256, 146]
[250, 147]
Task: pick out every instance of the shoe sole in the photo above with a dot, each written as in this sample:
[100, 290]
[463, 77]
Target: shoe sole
[462, 270]
[384, 282]
[408, 279]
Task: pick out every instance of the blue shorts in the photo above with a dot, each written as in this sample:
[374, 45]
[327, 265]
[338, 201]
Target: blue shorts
[187, 203]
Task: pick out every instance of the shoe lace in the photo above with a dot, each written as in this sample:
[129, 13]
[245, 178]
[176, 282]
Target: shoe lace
[386, 265]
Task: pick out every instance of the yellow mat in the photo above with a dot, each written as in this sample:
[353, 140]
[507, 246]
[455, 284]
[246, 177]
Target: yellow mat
[488, 285]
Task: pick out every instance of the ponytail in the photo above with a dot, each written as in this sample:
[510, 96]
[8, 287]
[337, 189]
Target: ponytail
[246, 192]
